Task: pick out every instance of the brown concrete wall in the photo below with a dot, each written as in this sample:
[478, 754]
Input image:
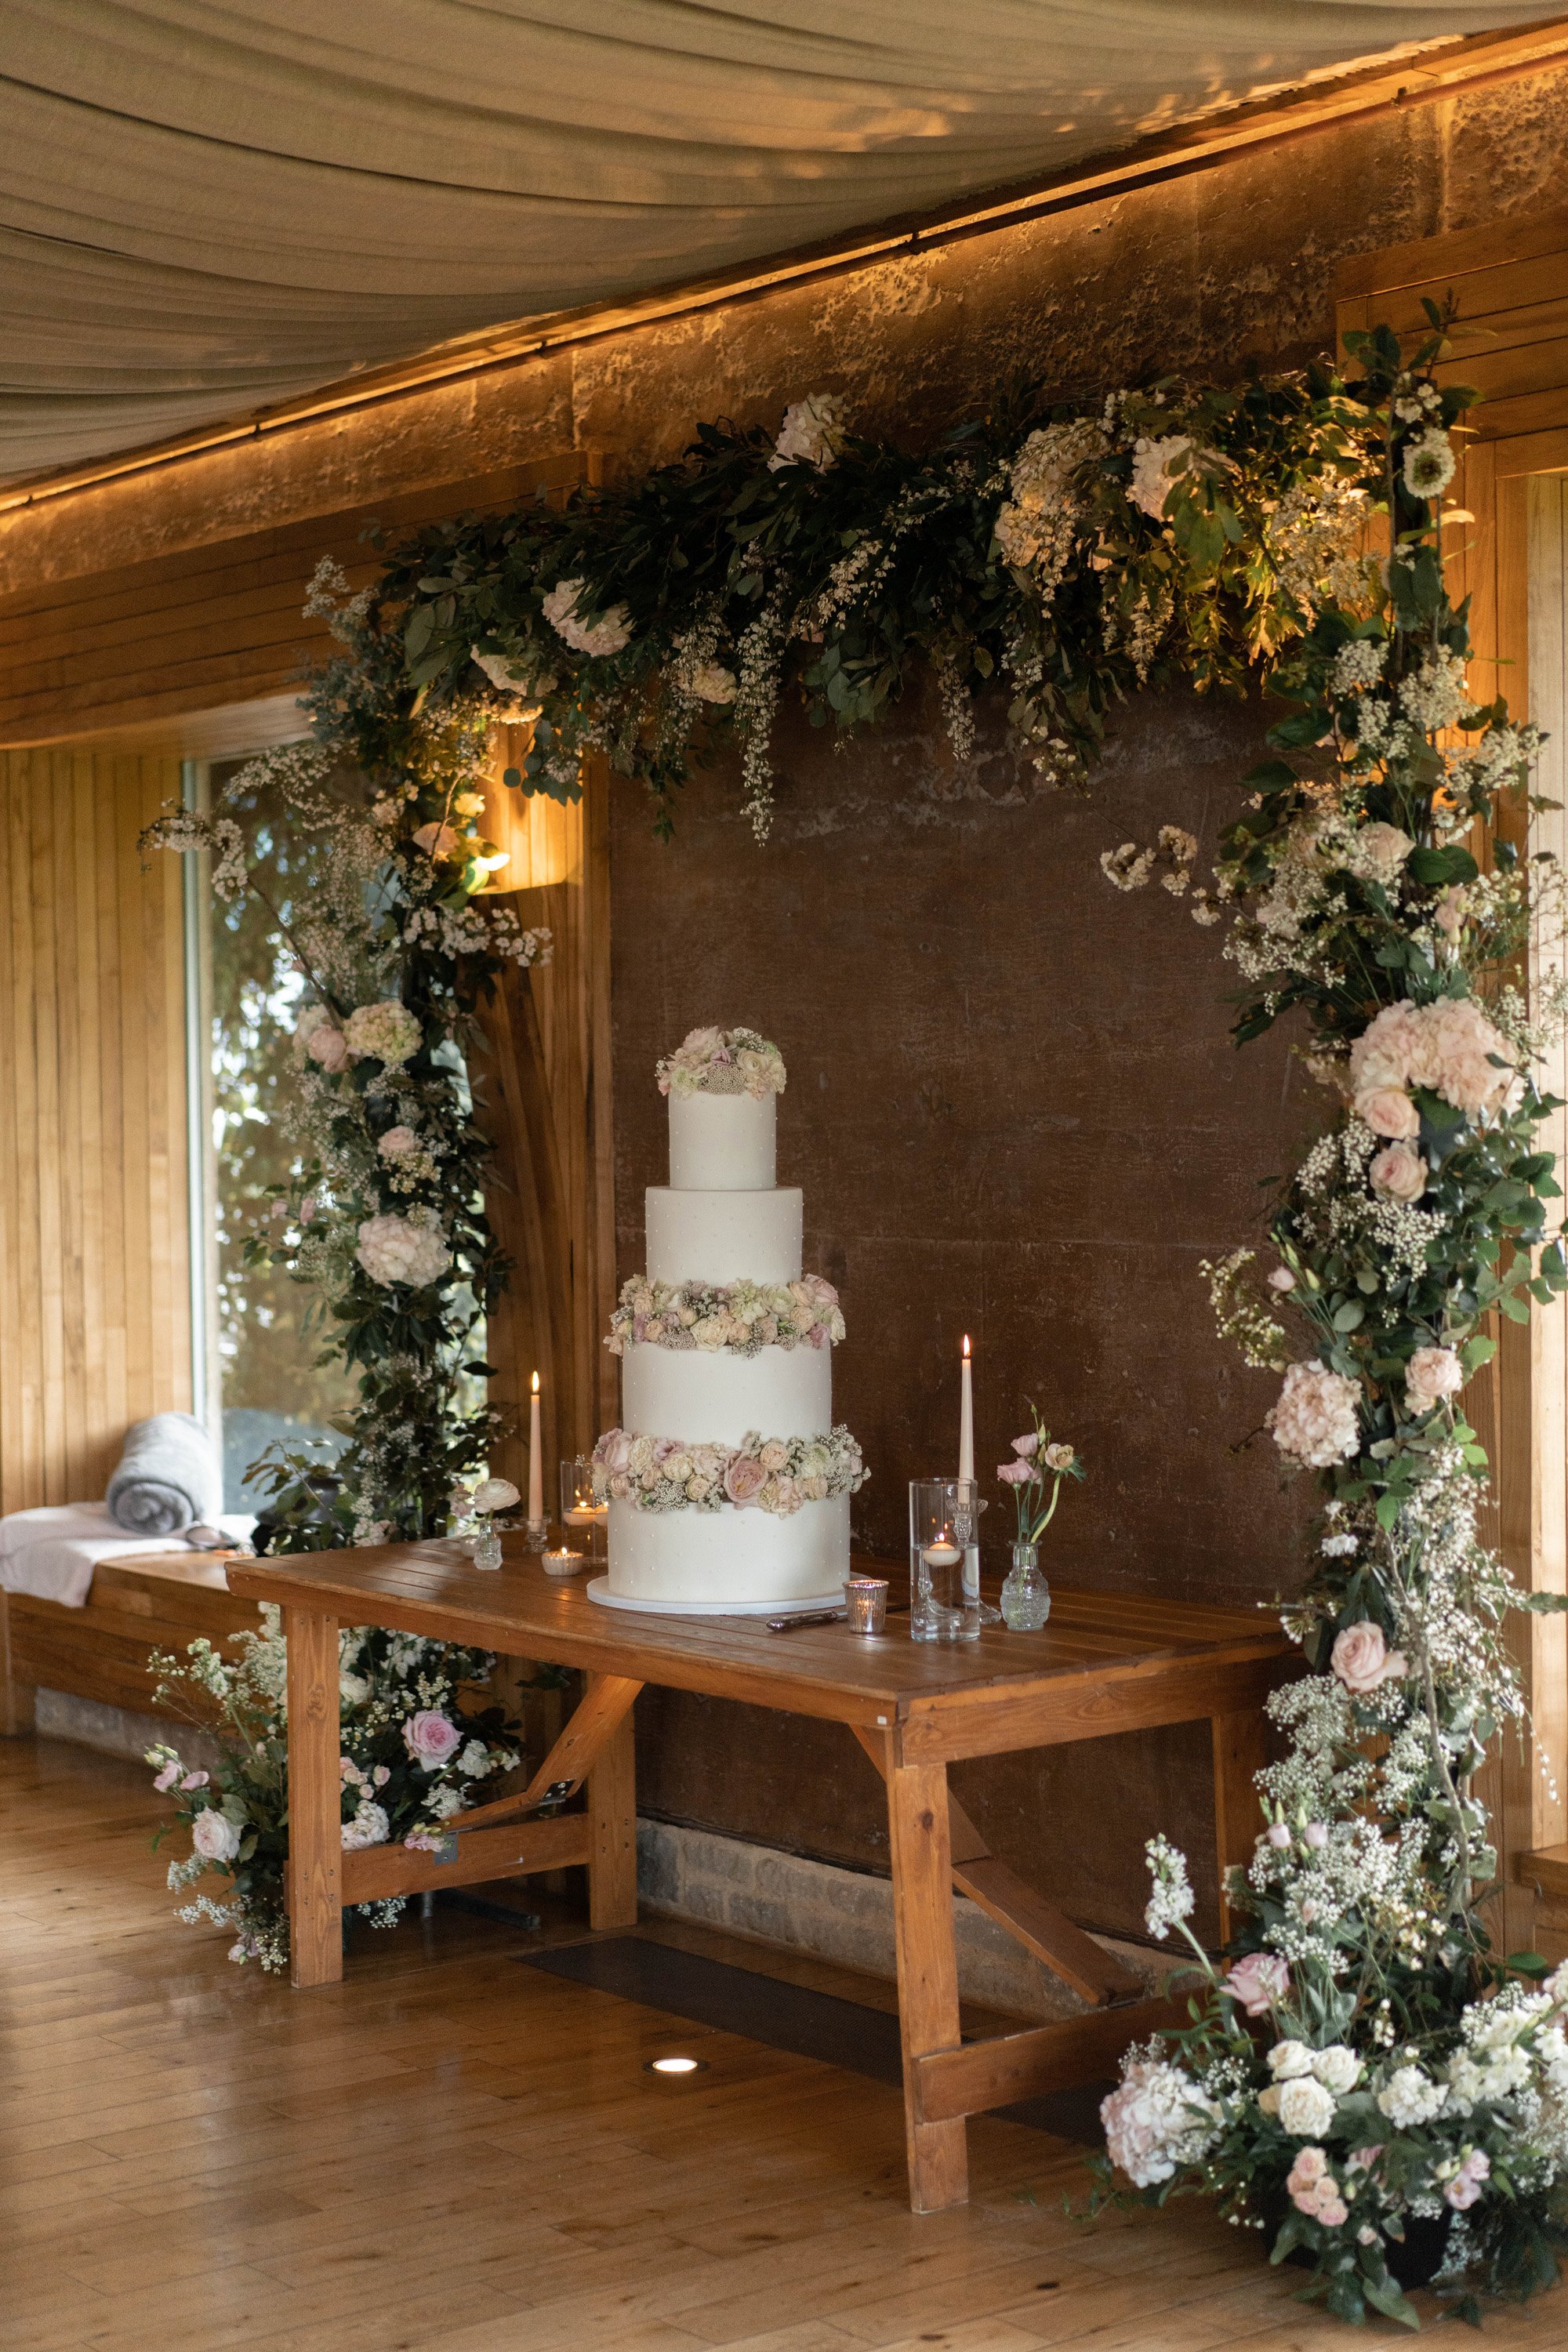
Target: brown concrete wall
[1013, 1104]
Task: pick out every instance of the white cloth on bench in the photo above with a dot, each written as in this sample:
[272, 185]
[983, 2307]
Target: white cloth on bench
[50, 1553]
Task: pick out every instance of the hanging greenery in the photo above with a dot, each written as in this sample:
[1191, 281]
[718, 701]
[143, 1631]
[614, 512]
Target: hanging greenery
[1369, 2067]
[385, 1217]
[1070, 559]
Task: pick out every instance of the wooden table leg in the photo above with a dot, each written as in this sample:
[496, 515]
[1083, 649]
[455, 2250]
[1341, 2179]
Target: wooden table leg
[315, 1837]
[1240, 1751]
[613, 1831]
[928, 1973]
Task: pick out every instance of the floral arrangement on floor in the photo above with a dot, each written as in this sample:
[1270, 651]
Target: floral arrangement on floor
[1067, 556]
[773, 1474]
[1368, 2064]
[722, 1062]
[410, 1760]
[743, 1316]
[396, 951]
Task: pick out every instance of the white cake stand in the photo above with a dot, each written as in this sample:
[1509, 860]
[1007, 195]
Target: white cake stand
[599, 1591]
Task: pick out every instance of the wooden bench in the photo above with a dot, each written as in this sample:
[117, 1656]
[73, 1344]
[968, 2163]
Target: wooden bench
[101, 1651]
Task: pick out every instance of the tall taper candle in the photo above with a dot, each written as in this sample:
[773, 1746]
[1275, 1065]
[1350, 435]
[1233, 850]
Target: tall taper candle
[535, 1461]
[966, 1417]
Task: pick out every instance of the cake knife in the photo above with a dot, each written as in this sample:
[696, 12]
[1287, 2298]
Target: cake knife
[824, 1617]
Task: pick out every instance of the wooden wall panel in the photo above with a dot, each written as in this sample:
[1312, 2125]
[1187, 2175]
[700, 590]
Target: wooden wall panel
[94, 1286]
[209, 624]
[549, 1084]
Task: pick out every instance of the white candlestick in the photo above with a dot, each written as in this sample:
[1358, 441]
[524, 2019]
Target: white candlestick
[967, 1416]
[535, 1461]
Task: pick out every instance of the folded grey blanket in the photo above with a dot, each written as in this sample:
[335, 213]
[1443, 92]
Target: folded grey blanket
[168, 1475]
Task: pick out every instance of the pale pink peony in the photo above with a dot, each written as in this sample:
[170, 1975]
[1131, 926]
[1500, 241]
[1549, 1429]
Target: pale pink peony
[1362, 1660]
[1399, 1173]
[431, 1739]
[1314, 1420]
[1388, 1110]
[327, 1046]
[1257, 1981]
[1432, 1374]
[745, 1480]
[614, 1453]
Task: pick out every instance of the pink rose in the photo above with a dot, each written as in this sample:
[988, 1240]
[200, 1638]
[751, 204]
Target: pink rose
[1259, 1982]
[396, 1141]
[215, 1836]
[1398, 1172]
[328, 1046]
[1362, 1659]
[1432, 1374]
[1388, 1110]
[614, 1453]
[431, 1739]
[745, 1480]
[1281, 1280]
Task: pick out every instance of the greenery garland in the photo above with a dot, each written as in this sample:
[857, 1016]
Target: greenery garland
[385, 1217]
[1073, 558]
[1409, 2075]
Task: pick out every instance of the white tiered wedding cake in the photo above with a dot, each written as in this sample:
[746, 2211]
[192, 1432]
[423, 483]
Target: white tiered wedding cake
[728, 1485]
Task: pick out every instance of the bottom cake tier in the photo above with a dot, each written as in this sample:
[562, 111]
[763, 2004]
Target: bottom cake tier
[729, 1558]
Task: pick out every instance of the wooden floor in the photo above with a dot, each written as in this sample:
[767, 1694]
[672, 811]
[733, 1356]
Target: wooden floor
[451, 2151]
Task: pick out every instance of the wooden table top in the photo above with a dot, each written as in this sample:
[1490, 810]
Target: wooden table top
[1105, 1663]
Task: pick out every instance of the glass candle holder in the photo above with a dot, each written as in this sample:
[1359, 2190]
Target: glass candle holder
[583, 1519]
[866, 1603]
[942, 1513]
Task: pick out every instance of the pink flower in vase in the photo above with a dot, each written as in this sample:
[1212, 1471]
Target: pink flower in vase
[1015, 1474]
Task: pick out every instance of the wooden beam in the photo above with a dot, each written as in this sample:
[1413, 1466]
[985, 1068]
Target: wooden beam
[613, 1831]
[1044, 1929]
[928, 1975]
[377, 1872]
[315, 1842]
[1240, 1752]
[604, 1705]
[977, 2075]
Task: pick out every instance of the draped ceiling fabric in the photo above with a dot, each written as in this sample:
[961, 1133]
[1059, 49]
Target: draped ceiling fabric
[204, 207]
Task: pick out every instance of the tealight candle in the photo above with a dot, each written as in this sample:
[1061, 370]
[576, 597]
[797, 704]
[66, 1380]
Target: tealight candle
[562, 1562]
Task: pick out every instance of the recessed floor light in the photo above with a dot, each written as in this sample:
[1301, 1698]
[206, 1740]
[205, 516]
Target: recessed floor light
[676, 2066]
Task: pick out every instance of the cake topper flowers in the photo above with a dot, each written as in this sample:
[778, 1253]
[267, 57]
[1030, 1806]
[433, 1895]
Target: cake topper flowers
[722, 1062]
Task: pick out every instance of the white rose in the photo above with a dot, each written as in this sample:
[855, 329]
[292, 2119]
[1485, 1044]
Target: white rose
[1432, 1374]
[215, 1836]
[1287, 2060]
[1337, 2068]
[1306, 2108]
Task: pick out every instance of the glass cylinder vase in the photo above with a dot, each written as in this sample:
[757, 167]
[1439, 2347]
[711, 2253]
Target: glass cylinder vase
[938, 1508]
[1026, 1594]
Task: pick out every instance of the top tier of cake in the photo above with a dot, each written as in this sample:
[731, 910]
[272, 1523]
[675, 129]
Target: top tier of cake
[723, 1143]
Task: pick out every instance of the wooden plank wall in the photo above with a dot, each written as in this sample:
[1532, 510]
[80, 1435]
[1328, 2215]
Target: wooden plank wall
[95, 1319]
[210, 626]
[1510, 339]
[549, 1088]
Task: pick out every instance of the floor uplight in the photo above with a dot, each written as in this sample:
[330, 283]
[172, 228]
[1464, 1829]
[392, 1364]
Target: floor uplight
[676, 2065]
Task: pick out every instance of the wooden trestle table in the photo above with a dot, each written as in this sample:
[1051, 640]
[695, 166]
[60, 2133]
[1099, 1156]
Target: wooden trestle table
[1102, 1664]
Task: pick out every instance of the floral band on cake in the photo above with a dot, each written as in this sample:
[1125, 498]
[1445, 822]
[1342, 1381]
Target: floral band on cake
[773, 1474]
[745, 1316]
[722, 1062]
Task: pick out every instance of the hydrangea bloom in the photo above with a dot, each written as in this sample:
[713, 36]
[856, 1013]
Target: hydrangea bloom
[409, 1249]
[1157, 2120]
[1315, 1421]
[607, 635]
[385, 1033]
[812, 433]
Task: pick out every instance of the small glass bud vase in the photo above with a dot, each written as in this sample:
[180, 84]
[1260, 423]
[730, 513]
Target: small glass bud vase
[487, 1545]
[1025, 1595]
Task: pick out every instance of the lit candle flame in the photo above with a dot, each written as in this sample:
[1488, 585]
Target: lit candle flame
[536, 1382]
[966, 1343]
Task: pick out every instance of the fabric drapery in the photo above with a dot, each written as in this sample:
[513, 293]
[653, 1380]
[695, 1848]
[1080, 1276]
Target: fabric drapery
[206, 207]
